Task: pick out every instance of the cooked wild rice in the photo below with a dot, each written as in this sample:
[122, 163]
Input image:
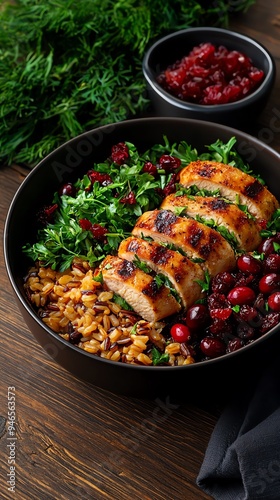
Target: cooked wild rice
[83, 312]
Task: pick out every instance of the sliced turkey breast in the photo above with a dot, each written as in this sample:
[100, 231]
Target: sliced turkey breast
[180, 271]
[196, 240]
[245, 231]
[140, 290]
[232, 184]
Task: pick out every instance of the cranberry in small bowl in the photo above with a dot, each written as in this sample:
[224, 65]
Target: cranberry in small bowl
[212, 74]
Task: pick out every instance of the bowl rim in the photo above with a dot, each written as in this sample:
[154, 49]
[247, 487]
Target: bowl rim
[24, 302]
[185, 105]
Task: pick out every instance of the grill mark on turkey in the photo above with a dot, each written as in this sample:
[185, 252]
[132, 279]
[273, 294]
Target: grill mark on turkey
[195, 235]
[151, 290]
[206, 249]
[160, 255]
[218, 204]
[133, 246]
[206, 170]
[127, 269]
[253, 189]
[178, 276]
[164, 221]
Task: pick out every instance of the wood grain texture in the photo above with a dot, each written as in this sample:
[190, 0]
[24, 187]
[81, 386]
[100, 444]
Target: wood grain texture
[75, 441]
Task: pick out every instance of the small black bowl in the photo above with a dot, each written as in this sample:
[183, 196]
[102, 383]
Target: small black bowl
[166, 51]
[70, 161]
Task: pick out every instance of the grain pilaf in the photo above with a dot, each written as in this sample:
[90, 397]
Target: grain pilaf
[82, 311]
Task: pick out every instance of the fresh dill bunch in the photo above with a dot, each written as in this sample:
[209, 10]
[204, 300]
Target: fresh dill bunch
[68, 66]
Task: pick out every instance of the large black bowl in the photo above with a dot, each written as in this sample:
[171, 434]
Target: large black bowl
[167, 50]
[69, 162]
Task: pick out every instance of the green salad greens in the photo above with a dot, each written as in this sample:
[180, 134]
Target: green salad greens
[67, 66]
[90, 218]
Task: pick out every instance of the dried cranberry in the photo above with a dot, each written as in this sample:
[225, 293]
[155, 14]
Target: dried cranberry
[248, 314]
[272, 263]
[241, 295]
[150, 168]
[234, 344]
[245, 331]
[219, 306]
[248, 264]
[120, 153]
[221, 328]
[129, 199]
[67, 189]
[269, 283]
[222, 283]
[46, 214]
[212, 348]
[211, 75]
[270, 321]
[169, 163]
[103, 179]
[170, 186]
[98, 232]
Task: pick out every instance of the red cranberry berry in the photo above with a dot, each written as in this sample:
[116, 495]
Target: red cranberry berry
[274, 301]
[180, 333]
[241, 295]
[120, 153]
[269, 283]
[267, 246]
[197, 316]
[248, 264]
[212, 347]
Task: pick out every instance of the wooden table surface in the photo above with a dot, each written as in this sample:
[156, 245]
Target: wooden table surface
[75, 441]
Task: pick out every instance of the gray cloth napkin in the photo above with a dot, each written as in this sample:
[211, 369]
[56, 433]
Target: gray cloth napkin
[242, 460]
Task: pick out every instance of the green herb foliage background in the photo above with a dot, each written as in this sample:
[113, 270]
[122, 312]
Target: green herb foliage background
[67, 66]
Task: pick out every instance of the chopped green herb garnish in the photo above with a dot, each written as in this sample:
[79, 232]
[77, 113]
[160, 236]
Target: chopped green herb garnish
[121, 302]
[159, 358]
[92, 223]
[205, 285]
[142, 265]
